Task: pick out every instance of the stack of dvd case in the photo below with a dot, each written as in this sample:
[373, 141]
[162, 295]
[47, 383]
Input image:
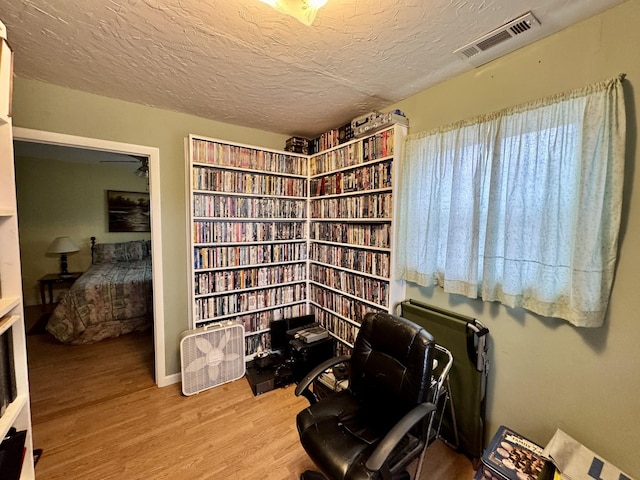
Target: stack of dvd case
[297, 145]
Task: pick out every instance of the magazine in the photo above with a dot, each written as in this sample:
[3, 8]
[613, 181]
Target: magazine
[510, 456]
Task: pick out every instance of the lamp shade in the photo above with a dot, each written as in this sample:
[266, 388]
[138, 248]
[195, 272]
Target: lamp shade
[63, 245]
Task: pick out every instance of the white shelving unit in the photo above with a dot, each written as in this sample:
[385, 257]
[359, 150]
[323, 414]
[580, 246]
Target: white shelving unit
[352, 232]
[18, 413]
[248, 231]
[275, 234]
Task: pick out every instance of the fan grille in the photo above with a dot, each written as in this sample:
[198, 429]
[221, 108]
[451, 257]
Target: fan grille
[211, 357]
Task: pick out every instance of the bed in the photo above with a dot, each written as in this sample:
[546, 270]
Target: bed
[114, 297]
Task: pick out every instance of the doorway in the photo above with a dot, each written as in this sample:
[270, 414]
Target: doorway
[152, 155]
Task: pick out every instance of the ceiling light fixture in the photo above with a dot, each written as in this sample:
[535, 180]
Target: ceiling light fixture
[302, 10]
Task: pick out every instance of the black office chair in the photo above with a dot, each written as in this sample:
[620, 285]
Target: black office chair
[381, 423]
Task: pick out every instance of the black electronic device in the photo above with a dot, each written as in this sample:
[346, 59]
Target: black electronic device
[306, 356]
[260, 380]
[280, 328]
[267, 361]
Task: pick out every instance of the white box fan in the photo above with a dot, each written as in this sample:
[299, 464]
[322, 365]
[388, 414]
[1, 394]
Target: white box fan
[211, 356]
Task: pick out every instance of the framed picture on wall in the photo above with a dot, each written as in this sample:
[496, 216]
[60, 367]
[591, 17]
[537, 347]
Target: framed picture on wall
[128, 211]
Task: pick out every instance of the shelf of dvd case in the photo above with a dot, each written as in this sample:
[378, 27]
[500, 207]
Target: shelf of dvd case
[376, 206]
[343, 303]
[327, 311]
[256, 344]
[366, 235]
[220, 283]
[356, 259]
[253, 170]
[209, 231]
[367, 273]
[258, 321]
[234, 316]
[219, 205]
[350, 245]
[222, 306]
[250, 255]
[351, 166]
[354, 152]
[237, 181]
[350, 194]
[216, 152]
[355, 284]
[351, 180]
[242, 219]
[353, 220]
[338, 326]
[247, 266]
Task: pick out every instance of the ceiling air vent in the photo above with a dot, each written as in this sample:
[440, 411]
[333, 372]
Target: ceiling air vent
[507, 38]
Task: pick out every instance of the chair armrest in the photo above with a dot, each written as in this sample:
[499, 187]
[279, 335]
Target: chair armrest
[303, 385]
[400, 429]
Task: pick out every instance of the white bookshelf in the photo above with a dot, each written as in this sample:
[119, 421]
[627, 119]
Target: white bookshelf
[248, 231]
[352, 232]
[275, 234]
[12, 323]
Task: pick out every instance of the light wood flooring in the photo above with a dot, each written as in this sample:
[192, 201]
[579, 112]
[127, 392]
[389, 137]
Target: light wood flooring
[97, 414]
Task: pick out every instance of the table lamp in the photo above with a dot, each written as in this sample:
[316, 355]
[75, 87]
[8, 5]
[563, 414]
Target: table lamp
[63, 245]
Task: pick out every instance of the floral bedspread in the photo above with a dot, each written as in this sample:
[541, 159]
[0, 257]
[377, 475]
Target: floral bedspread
[109, 300]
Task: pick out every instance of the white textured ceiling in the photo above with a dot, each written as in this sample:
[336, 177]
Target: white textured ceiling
[242, 62]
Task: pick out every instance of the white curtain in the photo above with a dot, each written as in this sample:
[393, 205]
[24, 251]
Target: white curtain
[521, 206]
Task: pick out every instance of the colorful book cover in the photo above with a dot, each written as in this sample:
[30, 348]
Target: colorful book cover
[510, 456]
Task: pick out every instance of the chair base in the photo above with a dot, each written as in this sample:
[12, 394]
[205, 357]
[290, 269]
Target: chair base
[311, 475]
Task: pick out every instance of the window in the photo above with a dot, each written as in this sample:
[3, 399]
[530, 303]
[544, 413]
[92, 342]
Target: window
[521, 206]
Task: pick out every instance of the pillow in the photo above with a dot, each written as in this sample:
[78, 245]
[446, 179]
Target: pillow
[121, 252]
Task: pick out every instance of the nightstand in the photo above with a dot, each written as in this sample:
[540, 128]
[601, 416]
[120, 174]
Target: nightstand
[55, 280]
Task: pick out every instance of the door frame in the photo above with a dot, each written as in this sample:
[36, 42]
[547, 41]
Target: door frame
[153, 154]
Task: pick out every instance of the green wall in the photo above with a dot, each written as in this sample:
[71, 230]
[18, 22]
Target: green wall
[51, 108]
[546, 374]
[61, 198]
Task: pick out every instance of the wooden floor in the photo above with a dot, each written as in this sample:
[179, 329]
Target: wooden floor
[97, 414]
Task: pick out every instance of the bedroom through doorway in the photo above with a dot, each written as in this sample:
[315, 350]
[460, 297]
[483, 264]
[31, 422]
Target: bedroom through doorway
[95, 160]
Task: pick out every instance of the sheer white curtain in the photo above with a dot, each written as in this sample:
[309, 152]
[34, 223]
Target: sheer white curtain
[520, 206]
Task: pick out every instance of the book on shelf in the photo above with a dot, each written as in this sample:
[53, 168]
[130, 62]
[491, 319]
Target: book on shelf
[510, 456]
[8, 386]
[12, 452]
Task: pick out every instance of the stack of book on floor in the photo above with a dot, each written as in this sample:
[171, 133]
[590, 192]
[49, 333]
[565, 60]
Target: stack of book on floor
[510, 456]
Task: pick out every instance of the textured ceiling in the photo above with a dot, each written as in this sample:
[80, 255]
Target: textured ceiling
[242, 62]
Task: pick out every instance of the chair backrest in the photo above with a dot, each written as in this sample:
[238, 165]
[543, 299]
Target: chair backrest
[391, 365]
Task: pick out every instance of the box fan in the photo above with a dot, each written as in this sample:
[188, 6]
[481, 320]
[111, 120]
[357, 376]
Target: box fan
[211, 356]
